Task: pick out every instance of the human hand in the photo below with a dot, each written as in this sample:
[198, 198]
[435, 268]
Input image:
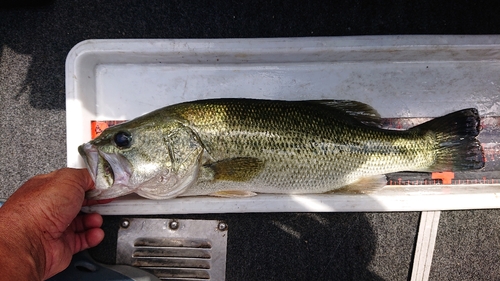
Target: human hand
[40, 223]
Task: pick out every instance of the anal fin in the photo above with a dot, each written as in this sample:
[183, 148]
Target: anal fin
[233, 193]
[364, 185]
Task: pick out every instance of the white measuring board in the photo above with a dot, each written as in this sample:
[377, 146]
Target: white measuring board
[400, 76]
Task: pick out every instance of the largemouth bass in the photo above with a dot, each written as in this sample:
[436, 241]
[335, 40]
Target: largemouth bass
[240, 147]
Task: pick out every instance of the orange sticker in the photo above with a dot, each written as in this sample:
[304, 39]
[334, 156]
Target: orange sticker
[96, 127]
[446, 177]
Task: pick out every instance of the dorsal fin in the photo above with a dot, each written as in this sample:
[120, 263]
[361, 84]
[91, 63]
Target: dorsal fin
[358, 110]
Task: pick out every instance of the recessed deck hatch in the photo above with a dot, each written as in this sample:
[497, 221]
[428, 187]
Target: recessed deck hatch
[174, 249]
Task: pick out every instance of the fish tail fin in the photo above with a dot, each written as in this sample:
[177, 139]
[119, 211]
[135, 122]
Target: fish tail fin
[458, 149]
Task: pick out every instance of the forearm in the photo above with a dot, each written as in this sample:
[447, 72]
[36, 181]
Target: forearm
[21, 254]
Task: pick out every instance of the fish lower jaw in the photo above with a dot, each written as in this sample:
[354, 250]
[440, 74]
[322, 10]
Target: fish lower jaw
[121, 180]
[109, 193]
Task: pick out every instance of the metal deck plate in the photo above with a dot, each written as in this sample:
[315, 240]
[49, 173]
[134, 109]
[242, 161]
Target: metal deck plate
[174, 249]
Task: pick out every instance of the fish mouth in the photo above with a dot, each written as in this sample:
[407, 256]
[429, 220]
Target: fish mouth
[111, 172]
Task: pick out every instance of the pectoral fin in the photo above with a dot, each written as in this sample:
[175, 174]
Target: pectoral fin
[233, 193]
[238, 169]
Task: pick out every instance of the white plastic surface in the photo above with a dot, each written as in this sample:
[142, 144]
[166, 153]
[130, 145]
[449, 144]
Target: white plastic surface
[400, 76]
[390, 198]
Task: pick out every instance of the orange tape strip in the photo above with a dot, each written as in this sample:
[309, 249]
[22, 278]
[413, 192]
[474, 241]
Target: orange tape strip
[96, 128]
[446, 177]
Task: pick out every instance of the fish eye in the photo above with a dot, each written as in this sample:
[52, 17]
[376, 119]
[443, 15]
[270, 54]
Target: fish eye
[123, 139]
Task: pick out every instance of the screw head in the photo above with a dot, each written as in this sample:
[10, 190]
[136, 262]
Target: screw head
[222, 226]
[125, 223]
[173, 225]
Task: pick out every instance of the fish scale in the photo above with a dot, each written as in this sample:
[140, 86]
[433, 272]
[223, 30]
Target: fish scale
[317, 134]
[237, 147]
